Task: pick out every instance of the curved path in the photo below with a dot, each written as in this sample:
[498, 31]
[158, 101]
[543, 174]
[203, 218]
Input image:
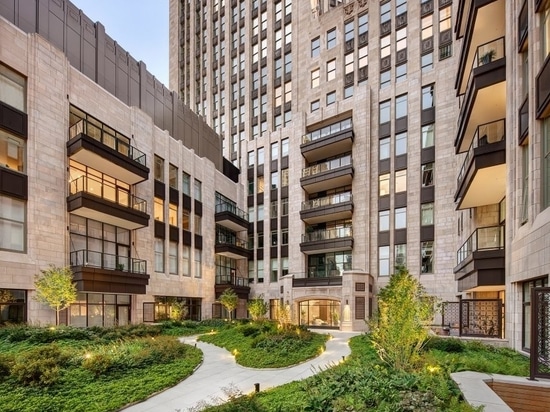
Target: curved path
[219, 370]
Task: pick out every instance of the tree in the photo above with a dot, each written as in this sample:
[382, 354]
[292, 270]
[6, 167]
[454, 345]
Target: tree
[229, 300]
[55, 288]
[400, 328]
[257, 307]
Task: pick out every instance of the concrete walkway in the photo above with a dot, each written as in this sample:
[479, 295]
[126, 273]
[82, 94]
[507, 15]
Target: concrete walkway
[219, 370]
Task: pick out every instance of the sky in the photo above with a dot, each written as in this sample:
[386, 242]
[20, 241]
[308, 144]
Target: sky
[138, 26]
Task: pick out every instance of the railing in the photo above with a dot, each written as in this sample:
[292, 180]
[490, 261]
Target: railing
[223, 238]
[327, 131]
[89, 258]
[231, 280]
[327, 201]
[228, 207]
[328, 165]
[484, 238]
[119, 144]
[327, 271]
[327, 234]
[107, 191]
[485, 134]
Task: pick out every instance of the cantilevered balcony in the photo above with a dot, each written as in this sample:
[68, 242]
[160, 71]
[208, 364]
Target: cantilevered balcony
[327, 240]
[108, 273]
[100, 200]
[329, 208]
[231, 217]
[229, 245]
[328, 175]
[100, 147]
[482, 177]
[328, 141]
[480, 261]
[484, 99]
[232, 281]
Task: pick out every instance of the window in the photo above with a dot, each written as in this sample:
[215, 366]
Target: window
[546, 163]
[445, 19]
[348, 92]
[186, 183]
[198, 263]
[288, 63]
[273, 211]
[427, 214]
[401, 72]
[13, 89]
[315, 105]
[260, 156]
[331, 70]
[274, 151]
[363, 23]
[401, 39]
[159, 255]
[385, 10]
[274, 180]
[545, 35]
[315, 47]
[385, 46]
[260, 271]
[260, 240]
[278, 39]
[284, 177]
[401, 144]
[401, 181]
[288, 92]
[186, 261]
[12, 151]
[284, 206]
[428, 136]
[185, 219]
[400, 255]
[288, 33]
[284, 236]
[260, 184]
[383, 261]
[197, 227]
[383, 220]
[348, 30]
[251, 158]
[284, 147]
[427, 174]
[159, 209]
[172, 214]
[274, 270]
[427, 27]
[428, 97]
[400, 7]
[173, 258]
[384, 148]
[12, 224]
[401, 218]
[260, 213]
[198, 190]
[331, 38]
[385, 79]
[384, 184]
[315, 78]
[427, 62]
[445, 51]
[401, 106]
[274, 238]
[331, 98]
[363, 56]
[524, 210]
[426, 254]
[348, 63]
[173, 176]
[385, 111]
[159, 169]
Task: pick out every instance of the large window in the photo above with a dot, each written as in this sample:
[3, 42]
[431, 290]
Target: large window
[13, 89]
[384, 148]
[401, 144]
[12, 152]
[159, 255]
[173, 258]
[545, 27]
[186, 184]
[384, 261]
[198, 263]
[13, 306]
[427, 174]
[401, 181]
[186, 261]
[401, 218]
[426, 254]
[159, 169]
[331, 38]
[427, 214]
[320, 313]
[173, 176]
[97, 309]
[428, 136]
[12, 224]
[383, 220]
[315, 47]
[384, 184]
[428, 97]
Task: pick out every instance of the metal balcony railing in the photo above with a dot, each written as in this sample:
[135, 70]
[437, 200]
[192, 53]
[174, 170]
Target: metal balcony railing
[485, 134]
[231, 279]
[108, 191]
[224, 238]
[327, 131]
[228, 207]
[98, 132]
[327, 201]
[328, 165]
[89, 258]
[327, 234]
[484, 238]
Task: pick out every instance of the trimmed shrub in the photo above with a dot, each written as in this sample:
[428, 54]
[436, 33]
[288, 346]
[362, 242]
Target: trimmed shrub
[39, 366]
[451, 345]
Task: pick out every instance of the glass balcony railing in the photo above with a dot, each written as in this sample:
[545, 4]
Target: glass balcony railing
[327, 131]
[327, 234]
[89, 258]
[484, 135]
[327, 201]
[223, 238]
[228, 207]
[115, 141]
[484, 238]
[231, 280]
[328, 165]
[107, 191]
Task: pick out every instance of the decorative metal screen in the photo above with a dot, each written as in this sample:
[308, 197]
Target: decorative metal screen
[540, 333]
[474, 317]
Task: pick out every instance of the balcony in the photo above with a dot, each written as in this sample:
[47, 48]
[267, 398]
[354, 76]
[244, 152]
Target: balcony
[99, 148]
[104, 272]
[231, 217]
[317, 282]
[229, 245]
[96, 199]
[328, 141]
[327, 240]
[480, 261]
[485, 95]
[328, 175]
[330, 208]
[482, 177]
[232, 281]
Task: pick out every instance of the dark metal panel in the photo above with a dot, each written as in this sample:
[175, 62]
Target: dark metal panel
[13, 184]
[160, 229]
[399, 236]
[13, 120]
[160, 189]
[198, 208]
[427, 233]
[198, 241]
[187, 236]
[400, 162]
[174, 196]
[427, 194]
[384, 238]
[109, 281]
[173, 233]
[73, 39]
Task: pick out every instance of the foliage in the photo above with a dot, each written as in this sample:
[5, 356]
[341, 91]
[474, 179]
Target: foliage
[178, 311]
[55, 288]
[257, 307]
[400, 328]
[39, 366]
[229, 300]
[283, 316]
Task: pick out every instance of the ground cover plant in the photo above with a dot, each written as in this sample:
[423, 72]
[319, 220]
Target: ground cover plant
[267, 345]
[94, 369]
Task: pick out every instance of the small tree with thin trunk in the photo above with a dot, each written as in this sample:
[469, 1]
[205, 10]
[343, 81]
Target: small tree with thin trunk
[229, 300]
[257, 307]
[55, 288]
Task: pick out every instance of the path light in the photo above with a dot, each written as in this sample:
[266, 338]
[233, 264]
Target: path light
[87, 355]
[433, 369]
[235, 352]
